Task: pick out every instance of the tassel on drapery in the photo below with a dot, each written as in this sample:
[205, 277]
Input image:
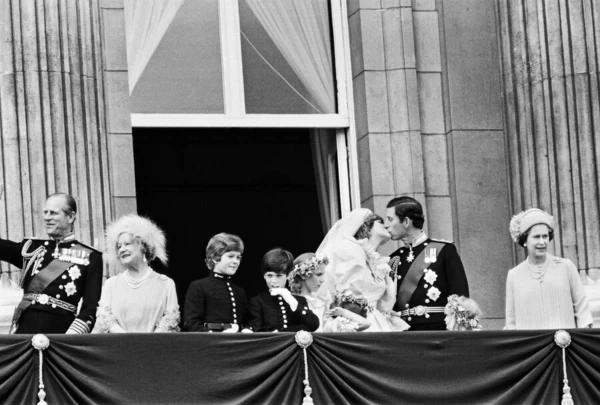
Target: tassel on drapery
[563, 340]
[41, 342]
[305, 339]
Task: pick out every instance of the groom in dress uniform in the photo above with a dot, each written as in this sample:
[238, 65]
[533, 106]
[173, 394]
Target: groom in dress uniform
[56, 274]
[428, 270]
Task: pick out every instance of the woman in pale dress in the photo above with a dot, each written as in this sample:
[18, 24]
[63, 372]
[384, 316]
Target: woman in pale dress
[543, 291]
[306, 279]
[138, 299]
[354, 264]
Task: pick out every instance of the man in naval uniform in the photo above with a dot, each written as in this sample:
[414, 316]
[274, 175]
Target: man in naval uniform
[56, 274]
[428, 270]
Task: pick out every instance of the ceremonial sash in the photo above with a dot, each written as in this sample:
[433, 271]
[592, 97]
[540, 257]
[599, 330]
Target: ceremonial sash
[414, 274]
[38, 283]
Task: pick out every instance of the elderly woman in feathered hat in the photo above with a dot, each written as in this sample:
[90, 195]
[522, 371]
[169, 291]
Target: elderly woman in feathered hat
[138, 299]
[544, 291]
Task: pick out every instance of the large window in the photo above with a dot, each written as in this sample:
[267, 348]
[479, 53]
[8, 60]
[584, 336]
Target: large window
[249, 64]
[287, 57]
[207, 63]
[176, 66]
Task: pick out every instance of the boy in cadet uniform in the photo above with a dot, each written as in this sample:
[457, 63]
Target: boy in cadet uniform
[278, 310]
[214, 303]
[428, 270]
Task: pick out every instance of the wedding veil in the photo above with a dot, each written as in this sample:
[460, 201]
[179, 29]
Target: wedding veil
[344, 228]
[337, 238]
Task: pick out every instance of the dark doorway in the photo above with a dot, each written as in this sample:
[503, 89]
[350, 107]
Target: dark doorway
[256, 183]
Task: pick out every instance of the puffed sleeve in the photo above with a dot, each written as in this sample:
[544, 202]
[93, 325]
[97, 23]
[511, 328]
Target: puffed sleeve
[194, 317]
[170, 319]
[347, 264]
[581, 306]
[510, 303]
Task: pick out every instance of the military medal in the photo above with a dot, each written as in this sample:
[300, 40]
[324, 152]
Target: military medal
[431, 255]
[74, 256]
[410, 257]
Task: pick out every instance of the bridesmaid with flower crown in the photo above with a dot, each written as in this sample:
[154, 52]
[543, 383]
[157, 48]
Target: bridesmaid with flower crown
[306, 279]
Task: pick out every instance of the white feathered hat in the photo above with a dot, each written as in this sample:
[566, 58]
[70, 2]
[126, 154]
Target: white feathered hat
[143, 228]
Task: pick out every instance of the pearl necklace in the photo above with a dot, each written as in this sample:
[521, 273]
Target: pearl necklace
[136, 283]
[537, 272]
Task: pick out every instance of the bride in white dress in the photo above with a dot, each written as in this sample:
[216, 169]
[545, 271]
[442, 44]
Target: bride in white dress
[354, 265]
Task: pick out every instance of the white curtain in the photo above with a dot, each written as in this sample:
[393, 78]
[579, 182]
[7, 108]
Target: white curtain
[300, 30]
[146, 22]
[324, 153]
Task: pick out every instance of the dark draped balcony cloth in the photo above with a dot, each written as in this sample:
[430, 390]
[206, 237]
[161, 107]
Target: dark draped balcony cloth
[488, 367]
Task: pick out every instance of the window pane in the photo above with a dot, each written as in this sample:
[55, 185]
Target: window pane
[287, 57]
[184, 74]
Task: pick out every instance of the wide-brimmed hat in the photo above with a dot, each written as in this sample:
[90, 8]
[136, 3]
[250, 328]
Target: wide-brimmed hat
[523, 221]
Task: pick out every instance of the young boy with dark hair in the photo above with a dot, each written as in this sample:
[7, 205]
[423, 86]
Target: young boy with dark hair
[278, 310]
[214, 303]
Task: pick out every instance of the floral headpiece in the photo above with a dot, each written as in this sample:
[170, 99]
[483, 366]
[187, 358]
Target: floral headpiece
[465, 320]
[349, 297]
[306, 269]
[521, 222]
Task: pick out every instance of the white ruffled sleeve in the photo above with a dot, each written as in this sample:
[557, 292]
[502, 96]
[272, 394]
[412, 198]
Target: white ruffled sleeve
[169, 322]
[105, 319]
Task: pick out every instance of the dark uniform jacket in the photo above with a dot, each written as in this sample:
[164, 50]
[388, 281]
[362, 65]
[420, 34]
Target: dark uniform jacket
[81, 279]
[451, 279]
[214, 299]
[271, 312]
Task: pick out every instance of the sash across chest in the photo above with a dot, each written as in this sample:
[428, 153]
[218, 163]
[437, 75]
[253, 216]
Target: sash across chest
[415, 272]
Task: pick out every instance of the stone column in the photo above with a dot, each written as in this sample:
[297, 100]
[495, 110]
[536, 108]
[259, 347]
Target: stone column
[552, 112]
[52, 115]
[550, 54]
[386, 99]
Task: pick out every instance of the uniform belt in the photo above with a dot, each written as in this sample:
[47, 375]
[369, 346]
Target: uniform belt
[45, 299]
[218, 326]
[421, 310]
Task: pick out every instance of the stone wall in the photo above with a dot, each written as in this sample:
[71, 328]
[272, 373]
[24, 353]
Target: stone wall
[428, 107]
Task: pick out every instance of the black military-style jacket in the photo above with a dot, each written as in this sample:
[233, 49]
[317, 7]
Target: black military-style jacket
[450, 278]
[214, 299]
[271, 312]
[81, 280]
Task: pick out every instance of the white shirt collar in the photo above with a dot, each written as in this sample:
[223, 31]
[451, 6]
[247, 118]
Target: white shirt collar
[419, 239]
